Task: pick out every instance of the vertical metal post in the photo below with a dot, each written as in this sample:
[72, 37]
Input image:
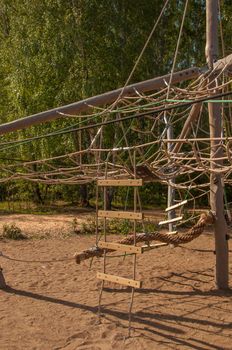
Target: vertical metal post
[105, 238]
[215, 125]
[171, 190]
[134, 256]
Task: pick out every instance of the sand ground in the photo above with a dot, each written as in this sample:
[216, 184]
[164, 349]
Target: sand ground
[51, 306]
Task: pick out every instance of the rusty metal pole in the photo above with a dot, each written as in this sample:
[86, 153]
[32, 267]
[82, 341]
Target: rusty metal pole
[216, 180]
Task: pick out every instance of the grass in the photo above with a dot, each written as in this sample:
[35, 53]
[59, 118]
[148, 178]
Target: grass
[19, 207]
[29, 207]
[114, 226]
[25, 208]
[11, 231]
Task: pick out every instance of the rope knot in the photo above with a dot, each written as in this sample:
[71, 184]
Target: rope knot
[207, 218]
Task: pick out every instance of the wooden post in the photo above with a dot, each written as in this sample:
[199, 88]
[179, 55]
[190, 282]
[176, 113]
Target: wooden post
[216, 184]
[2, 280]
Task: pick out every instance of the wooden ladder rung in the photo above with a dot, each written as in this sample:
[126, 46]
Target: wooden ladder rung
[120, 214]
[122, 182]
[120, 247]
[119, 280]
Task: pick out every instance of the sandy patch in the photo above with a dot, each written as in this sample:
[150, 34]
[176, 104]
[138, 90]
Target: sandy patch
[54, 305]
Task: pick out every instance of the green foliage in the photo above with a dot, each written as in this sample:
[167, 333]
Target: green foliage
[119, 226]
[11, 231]
[114, 226]
[88, 227]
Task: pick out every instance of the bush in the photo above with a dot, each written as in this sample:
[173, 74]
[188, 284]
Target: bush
[84, 228]
[12, 232]
[114, 226]
[119, 226]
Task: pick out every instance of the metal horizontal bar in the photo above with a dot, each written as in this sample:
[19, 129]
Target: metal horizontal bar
[123, 182]
[120, 247]
[172, 233]
[119, 280]
[99, 100]
[120, 214]
[111, 96]
[176, 205]
[172, 220]
[153, 246]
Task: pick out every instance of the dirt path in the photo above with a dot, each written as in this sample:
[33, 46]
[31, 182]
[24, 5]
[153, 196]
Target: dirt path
[51, 306]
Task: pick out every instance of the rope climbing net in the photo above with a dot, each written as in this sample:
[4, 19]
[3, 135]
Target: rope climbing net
[101, 143]
[142, 125]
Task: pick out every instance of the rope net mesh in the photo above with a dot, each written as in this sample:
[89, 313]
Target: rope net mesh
[106, 150]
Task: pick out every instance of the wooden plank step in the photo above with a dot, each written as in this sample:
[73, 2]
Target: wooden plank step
[122, 182]
[120, 247]
[119, 280]
[120, 214]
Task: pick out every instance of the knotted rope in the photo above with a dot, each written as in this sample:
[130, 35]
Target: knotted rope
[179, 238]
